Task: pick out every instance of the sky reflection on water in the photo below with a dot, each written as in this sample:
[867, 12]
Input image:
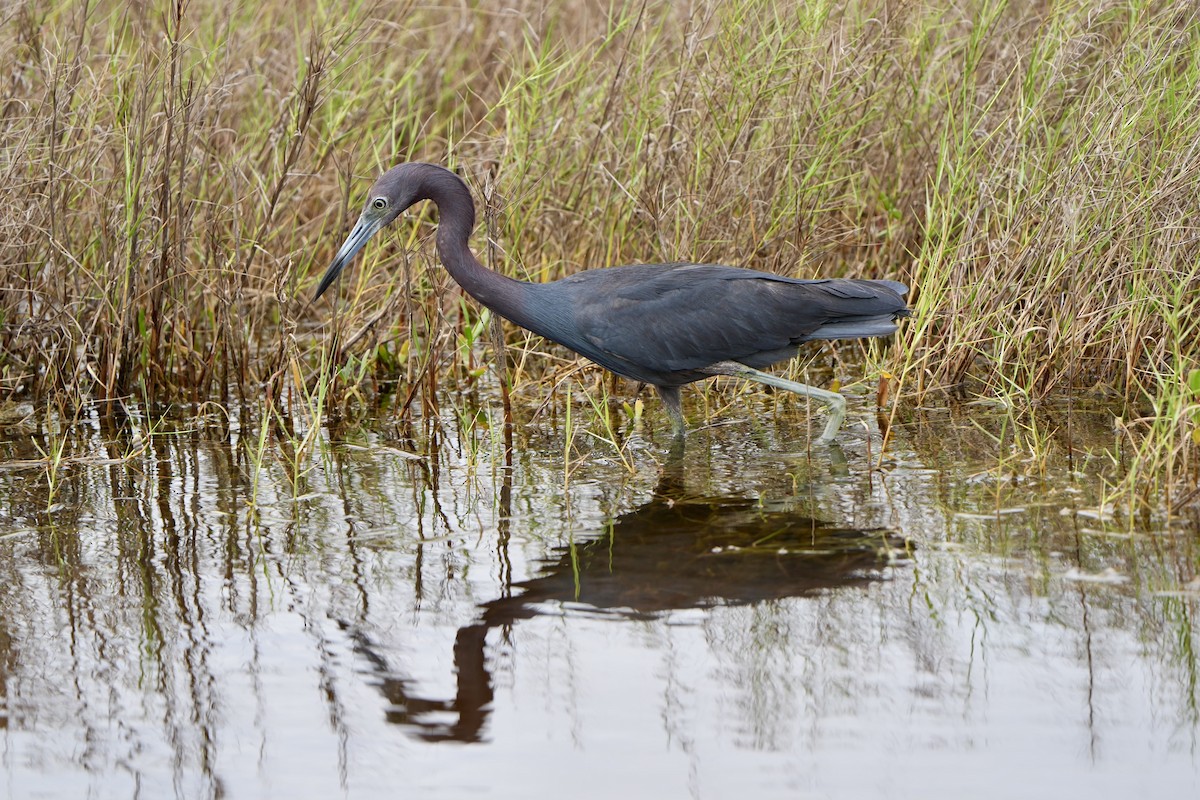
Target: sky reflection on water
[740, 621]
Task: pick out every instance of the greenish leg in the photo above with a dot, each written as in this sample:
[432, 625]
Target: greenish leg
[836, 403]
[670, 398]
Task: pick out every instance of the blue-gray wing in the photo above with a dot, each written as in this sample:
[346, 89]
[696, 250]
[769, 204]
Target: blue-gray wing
[655, 322]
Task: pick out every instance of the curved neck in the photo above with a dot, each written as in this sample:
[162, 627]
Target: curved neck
[456, 220]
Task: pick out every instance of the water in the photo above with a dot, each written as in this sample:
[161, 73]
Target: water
[185, 612]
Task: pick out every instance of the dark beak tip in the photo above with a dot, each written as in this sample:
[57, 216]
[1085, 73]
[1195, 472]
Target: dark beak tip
[330, 276]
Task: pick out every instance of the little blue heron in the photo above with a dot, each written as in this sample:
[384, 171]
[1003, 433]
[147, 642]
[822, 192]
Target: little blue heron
[662, 324]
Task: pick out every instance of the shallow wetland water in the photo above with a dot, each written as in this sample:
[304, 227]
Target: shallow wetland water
[191, 610]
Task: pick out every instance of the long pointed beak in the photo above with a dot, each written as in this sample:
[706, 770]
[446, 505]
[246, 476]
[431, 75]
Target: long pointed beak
[364, 229]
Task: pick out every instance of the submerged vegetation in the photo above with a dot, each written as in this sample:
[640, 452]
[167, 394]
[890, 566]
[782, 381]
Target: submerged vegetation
[178, 174]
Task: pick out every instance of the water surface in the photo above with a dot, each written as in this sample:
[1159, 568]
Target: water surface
[187, 610]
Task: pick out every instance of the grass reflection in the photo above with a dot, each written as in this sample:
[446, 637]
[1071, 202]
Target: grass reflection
[401, 585]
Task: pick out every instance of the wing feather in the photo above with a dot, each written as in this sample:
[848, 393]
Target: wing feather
[674, 318]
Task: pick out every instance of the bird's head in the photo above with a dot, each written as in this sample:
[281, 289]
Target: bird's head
[395, 191]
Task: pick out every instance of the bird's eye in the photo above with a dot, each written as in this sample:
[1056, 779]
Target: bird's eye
[379, 203]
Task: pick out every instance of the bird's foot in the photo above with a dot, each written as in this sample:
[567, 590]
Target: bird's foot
[837, 414]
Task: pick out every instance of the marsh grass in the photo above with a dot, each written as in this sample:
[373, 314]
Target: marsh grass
[178, 174]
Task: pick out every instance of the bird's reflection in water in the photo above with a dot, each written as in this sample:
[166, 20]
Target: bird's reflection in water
[674, 552]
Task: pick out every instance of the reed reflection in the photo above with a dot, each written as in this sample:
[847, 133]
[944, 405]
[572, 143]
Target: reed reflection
[675, 552]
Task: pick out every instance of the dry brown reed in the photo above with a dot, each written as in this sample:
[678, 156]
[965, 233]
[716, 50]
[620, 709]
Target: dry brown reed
[178, 173]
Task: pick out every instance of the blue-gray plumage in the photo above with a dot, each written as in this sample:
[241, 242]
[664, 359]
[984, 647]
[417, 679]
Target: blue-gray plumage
[662, 324]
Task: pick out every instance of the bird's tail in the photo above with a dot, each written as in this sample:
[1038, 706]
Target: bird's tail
[858, 327]
[896, 286]
[866, 325]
